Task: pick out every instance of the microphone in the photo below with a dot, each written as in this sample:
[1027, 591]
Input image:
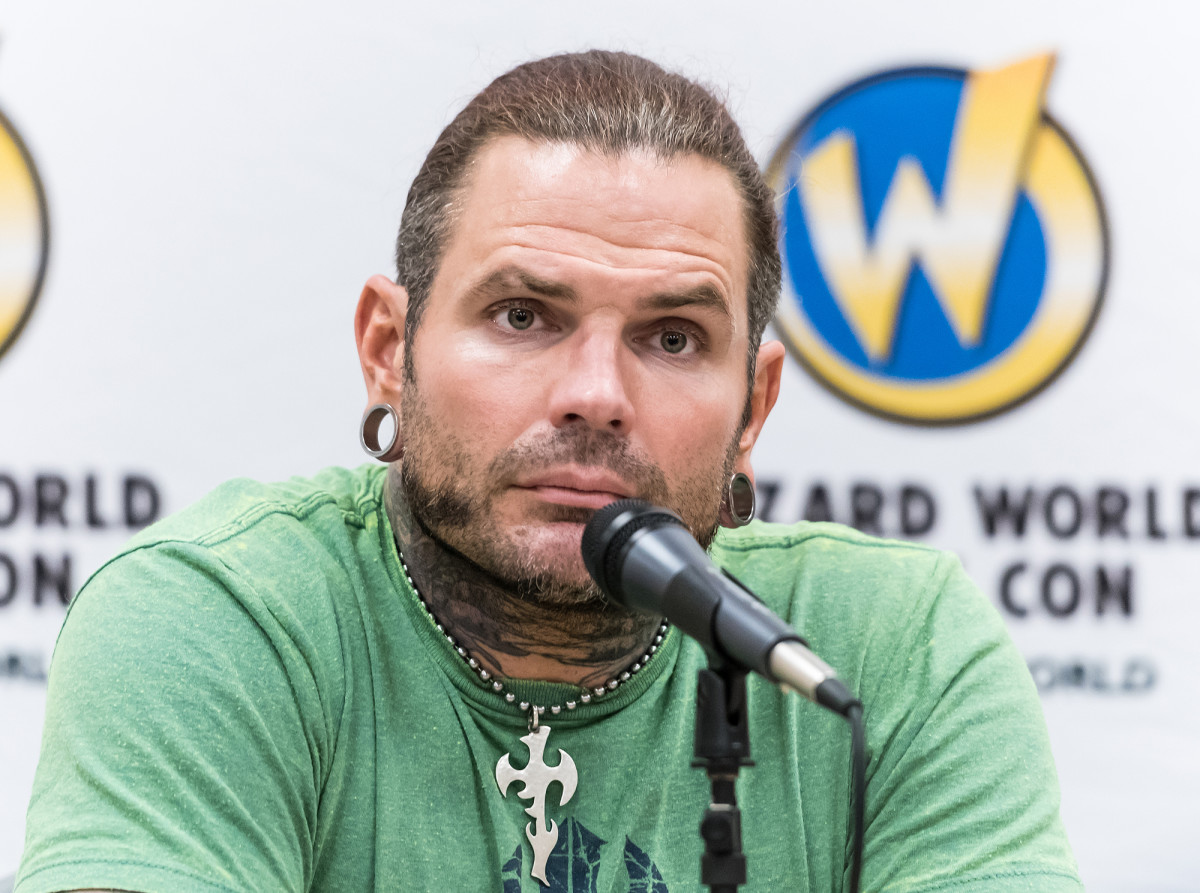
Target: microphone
[644, 558]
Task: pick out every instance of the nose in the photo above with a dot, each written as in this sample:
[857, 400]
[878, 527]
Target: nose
[593, 385]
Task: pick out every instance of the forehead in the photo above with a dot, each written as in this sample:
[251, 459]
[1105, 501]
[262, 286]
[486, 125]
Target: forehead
[632, 209]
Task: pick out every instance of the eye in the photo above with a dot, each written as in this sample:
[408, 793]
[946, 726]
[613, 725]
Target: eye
[673, 341]
[520, 318]
[678, 338]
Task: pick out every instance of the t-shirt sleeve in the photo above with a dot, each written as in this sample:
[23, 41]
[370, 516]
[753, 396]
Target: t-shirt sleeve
[180, 748]
[962, 790]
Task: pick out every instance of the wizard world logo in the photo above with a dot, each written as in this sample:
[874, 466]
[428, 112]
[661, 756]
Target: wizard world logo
[24, 234]
[944, 245]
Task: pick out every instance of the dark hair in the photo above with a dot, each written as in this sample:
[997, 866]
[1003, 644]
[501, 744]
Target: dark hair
[605, 101]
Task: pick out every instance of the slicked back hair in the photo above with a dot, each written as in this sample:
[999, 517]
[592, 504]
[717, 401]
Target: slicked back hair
[608, 103]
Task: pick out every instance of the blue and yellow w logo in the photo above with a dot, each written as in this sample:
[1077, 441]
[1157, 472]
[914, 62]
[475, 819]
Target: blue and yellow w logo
[944, 246]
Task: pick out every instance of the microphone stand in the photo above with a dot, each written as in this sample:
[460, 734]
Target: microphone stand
[721, 748]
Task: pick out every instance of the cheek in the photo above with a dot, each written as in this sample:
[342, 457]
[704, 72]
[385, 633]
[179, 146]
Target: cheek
[691, 440]
[486, 403]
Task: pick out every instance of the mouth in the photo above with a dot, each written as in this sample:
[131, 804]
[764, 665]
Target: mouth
[589, 499]
[576, 487]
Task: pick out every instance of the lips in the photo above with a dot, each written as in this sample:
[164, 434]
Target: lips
[585, 487]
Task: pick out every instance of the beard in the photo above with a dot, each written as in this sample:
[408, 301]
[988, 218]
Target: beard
[454, 498]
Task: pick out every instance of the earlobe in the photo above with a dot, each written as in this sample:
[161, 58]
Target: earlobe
[386, 446]
[379, 334]
[738, 503]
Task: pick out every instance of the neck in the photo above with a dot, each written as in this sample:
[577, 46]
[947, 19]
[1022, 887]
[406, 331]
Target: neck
[510, 634]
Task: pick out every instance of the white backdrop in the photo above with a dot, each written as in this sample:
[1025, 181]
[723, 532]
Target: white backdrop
[222, 177]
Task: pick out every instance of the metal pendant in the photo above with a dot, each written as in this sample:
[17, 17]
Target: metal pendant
[537, 777]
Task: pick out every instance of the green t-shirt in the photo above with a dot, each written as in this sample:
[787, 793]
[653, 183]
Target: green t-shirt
[250, 697]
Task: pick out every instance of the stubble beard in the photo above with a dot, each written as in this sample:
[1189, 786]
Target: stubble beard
[455, 504]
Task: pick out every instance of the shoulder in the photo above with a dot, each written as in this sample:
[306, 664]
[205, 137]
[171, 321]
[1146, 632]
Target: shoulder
[257, 533]
[863, 602]
[821, 546]
[242, 506]
[805, 567]
[284, 563]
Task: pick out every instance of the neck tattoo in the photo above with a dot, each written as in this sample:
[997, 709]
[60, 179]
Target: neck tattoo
[535, 711]
[537, 776]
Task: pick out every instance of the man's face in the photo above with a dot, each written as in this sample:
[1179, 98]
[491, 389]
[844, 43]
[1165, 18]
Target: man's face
[584, 340]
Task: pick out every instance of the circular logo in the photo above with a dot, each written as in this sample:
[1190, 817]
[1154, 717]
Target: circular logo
[945, 249]
[24, 234]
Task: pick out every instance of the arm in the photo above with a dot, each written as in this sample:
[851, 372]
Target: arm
[962, 791]
[179, 750]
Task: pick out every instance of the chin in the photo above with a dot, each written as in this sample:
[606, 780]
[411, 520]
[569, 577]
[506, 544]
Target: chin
[554, 547]
[561, 594]
[550, 570]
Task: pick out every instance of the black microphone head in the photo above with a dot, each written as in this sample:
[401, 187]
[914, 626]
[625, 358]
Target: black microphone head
[610, 529]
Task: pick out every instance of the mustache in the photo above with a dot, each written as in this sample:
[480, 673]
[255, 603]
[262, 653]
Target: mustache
[581, 445]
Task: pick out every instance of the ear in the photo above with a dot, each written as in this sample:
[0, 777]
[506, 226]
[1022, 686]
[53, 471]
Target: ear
[767, 373]
[379, 332]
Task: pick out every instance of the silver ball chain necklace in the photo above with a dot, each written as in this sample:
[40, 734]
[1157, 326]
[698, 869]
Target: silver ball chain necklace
[537, 776]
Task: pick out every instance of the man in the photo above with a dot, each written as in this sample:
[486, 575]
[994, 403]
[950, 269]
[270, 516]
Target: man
[406, 679]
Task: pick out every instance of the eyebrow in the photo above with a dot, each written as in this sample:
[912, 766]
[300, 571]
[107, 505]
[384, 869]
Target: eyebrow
[509, 278]
[704, 297]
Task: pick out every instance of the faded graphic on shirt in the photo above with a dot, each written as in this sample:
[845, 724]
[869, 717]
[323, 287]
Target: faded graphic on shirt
[574, 865]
